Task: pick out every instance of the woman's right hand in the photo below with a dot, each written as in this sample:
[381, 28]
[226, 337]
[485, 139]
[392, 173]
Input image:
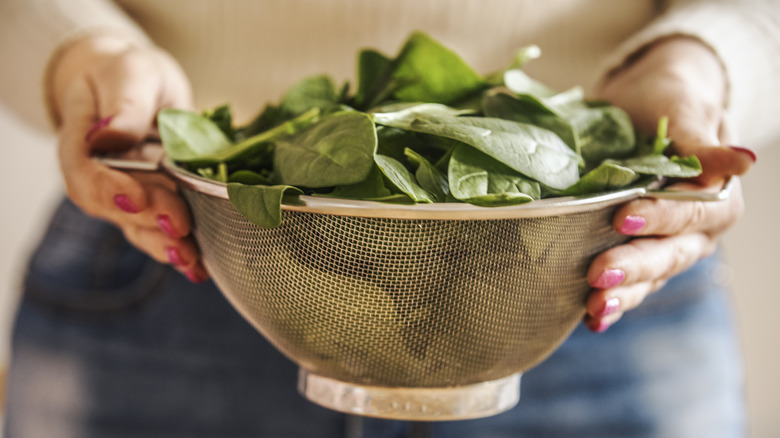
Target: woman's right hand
[105, 94]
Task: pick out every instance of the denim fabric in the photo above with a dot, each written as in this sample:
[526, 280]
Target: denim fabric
[110, 344]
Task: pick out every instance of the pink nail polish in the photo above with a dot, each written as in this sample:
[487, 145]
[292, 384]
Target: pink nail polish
[609, 278]
[194, 276]
[125, 204]
[164, 221]
[744, 150]
[174, 256]
[599, 327]
[632, 225]
[97, 126]
[611, 306]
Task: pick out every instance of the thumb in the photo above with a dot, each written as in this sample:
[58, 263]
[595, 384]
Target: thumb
[715, 148]
[92, 186]
[127, 93]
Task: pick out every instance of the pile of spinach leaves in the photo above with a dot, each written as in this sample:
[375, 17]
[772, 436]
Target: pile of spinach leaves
[421, 127]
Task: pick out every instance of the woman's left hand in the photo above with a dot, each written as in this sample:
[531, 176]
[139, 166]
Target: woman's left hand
[682, 79]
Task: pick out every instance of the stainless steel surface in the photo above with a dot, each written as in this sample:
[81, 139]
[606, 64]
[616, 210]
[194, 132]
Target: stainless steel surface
[413, 404]
[405, 302]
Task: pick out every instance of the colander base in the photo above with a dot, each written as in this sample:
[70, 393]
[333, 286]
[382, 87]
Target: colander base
[478, 400]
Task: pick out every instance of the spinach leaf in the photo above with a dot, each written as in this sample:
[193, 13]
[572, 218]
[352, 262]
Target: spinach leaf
[337, 150]
[312, 92]
[268, 118]
[423, 71]
[261, 205]
[262, 141]
[430, 72]
[674, 167]
[373, 188]
[223, 118]
[478, 179]
[315, 92]
[249, 177]
[187, 136]
[402, 179]
[530, 150]
[429, 177]
[519, 82]
[526, 108]
[607, 176]
[373, 87]
[602, 132]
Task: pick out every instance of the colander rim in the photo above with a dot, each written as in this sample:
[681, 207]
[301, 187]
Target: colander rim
[444, 211]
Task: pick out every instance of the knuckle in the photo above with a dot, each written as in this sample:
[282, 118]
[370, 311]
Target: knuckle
[678, 260]
[696, 217]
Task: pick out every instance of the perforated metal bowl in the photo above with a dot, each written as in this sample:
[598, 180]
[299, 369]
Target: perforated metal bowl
[421, 312]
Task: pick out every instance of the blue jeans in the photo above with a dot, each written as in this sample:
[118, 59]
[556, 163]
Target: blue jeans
[107, 343]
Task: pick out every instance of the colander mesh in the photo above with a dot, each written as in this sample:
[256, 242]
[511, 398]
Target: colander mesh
[405, 302]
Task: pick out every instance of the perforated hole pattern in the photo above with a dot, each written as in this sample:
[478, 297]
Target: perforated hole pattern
[405, 302]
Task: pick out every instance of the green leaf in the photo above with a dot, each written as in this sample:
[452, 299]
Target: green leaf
[337, 150]
[188, 136]
[262, 140]
[222, 117]
[530, 150]
[525, 108]
[249, 177]
[602, 132]
[429, 177]
[607, 176]
[373, 67]
[312, 92]
[261, 205]
[402, 179]
[373, 188]
[478, 179]
[674, 167]
[269, 117]
[426, 71]
[519, 82]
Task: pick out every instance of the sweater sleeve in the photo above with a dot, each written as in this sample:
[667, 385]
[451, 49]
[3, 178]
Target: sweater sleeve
[34, 31]
[745, 34]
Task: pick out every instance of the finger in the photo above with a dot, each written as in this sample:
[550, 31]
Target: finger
[181, 253]
[648, 259]
[718, 162]
[165, 208]
[127, 92]
[196, 273]
[662, 217]
[92, 186]
[600, 325]
[606, 307]
[605, 302]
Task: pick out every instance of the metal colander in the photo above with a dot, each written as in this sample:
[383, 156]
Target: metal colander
[422, 312]
[405, 302]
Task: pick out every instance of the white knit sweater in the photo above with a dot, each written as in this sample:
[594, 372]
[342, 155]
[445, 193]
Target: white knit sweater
[247, 52]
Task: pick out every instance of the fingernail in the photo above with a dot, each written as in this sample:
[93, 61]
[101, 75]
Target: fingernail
[125, 204]
[174, 256]
[164, 221]
[611, 306]
[194, 276]
[598, 326]
[609, 278]
[744, 150]
[632, 224]
[97, 126]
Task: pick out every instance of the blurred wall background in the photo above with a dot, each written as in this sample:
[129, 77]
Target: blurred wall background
[30, 181]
